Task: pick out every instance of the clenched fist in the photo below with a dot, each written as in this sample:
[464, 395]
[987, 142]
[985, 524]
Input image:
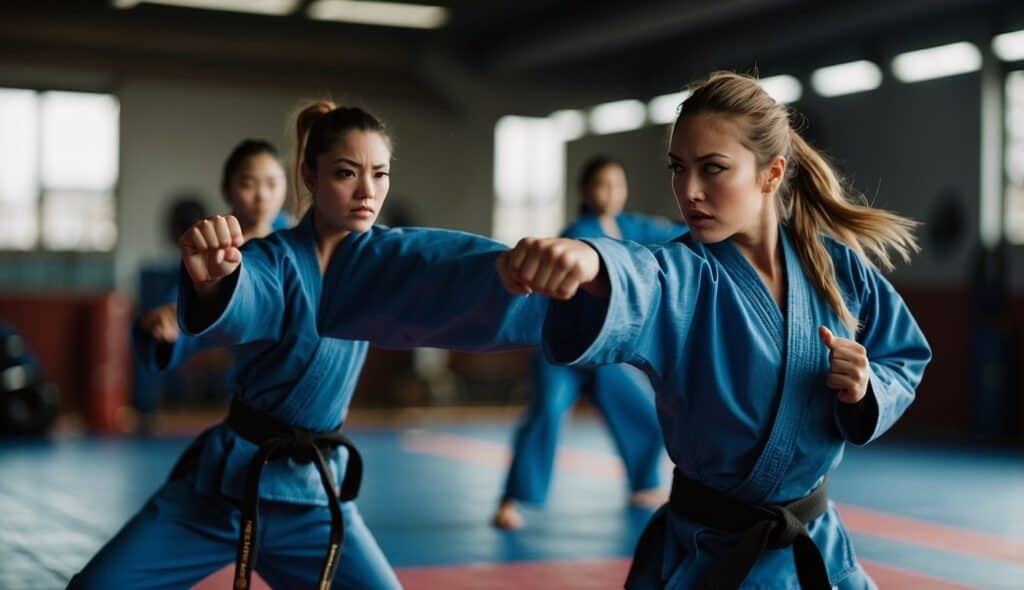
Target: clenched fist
[161, 323]
[555, 267]
[210, 251]
[849, 369]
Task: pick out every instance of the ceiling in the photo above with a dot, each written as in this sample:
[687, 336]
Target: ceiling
[509, 55]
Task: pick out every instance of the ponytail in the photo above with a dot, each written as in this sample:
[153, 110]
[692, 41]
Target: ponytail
[819, 204]
[303, 123]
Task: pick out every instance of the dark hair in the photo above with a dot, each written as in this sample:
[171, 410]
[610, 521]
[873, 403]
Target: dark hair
[320, 125]
[590, 169]
[242, 152]
[185, 211]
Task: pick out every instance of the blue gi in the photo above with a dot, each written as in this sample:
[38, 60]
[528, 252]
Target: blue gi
[620, 392]
[740, 384]
[299, 341]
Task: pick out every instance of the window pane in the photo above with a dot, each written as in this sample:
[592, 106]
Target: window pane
[78, 220]
[1014, 158]
[19, 189]
[529, 177]
[79, 134]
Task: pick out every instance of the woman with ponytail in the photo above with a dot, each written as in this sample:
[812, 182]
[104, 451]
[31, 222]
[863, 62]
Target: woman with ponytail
[298, 309]
[769, 334]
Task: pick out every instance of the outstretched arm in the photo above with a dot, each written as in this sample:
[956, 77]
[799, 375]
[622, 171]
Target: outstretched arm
[610, 298]
[404, 288]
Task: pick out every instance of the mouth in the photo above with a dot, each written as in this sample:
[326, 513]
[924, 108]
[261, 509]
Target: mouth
[698, 216]
[362, 211]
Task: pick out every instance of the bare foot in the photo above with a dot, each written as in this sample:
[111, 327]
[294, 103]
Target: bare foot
[507, 517]
[652, 498]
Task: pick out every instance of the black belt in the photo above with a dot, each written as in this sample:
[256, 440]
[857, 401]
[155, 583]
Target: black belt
[277, 439]
[763, 527]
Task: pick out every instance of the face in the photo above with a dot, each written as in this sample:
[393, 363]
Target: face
[256, 191]
[720, 190]
[351, 181]
[607, 190]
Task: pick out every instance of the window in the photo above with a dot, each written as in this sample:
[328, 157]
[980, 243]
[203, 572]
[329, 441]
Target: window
[529, 177]
[1014, 158]
[59, 154]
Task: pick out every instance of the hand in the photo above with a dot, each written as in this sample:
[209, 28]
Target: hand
[210, 251]
[555, 267]
[848, 367]
[161, 322]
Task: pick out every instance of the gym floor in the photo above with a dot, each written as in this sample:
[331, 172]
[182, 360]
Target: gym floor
[921, 516]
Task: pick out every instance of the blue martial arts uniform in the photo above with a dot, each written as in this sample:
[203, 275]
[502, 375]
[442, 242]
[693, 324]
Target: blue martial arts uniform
[740, 385]
[620, 392]
[299, 341]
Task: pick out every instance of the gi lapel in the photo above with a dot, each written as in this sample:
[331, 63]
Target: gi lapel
[796, 385]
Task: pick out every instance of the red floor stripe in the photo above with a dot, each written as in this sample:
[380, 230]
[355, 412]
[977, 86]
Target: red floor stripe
[595, 574]
[602, 574]
[859, 520]
[497, 455]
[928, 534]
[897, 578]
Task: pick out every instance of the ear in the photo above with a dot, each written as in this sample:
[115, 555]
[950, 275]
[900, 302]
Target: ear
[308, 178]
[774, 174]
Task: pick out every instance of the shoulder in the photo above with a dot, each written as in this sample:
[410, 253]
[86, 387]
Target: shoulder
[584, 226]
[685, 254]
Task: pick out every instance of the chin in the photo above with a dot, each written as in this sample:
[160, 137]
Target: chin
[706, 236]
[360, 225]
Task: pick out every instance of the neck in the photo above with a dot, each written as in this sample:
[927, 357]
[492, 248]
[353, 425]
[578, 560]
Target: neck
[327, 239]
[761, 249]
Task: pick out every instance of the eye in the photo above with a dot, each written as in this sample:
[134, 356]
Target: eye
[712, 168]
[381, 174]
[344, 173]
[675, 167]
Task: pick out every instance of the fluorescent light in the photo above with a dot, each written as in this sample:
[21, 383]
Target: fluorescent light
[390, 14]
[665, 108]
[937, 62]
[783, 88]
[618, 116]
[571, 124]
[1009, 46]
[847, 78]
[277, 7]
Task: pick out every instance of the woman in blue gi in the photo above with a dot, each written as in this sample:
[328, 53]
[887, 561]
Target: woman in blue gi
[253, 185]
[620, 392]
[770, 340]
[271, 487]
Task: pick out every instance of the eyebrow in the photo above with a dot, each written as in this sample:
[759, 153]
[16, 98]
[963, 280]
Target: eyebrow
[358, 165]
[701, 158]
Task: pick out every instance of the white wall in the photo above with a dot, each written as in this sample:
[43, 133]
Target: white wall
[175, 136]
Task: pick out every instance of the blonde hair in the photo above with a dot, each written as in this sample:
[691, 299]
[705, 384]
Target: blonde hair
[813, 199]
[318, 126]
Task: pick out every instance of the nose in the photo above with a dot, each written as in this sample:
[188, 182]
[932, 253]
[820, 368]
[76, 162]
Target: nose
[367, 188]
[690, 187]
